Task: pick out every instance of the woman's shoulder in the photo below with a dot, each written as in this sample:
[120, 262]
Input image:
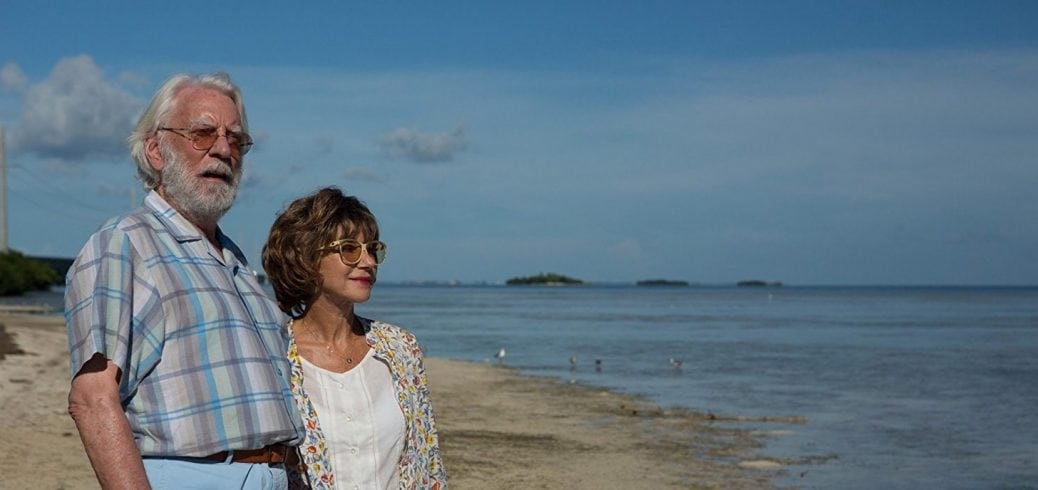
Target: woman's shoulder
[390, 332]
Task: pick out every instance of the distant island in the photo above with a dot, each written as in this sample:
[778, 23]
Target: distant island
[662, 282]
[757, 283]
[550, 279]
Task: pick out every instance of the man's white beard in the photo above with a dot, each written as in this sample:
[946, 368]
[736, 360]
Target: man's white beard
[194, 196]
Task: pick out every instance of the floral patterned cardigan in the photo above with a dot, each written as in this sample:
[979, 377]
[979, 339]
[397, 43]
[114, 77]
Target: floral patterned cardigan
[420, 463]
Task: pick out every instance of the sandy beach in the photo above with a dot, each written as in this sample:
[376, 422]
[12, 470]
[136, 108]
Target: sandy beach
[498, 429]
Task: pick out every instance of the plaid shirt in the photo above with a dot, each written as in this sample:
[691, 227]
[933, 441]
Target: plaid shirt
[200, 345]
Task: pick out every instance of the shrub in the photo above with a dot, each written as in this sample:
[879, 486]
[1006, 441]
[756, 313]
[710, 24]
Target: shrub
[19, 274]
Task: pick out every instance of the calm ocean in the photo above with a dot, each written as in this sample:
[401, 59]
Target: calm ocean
[901, 387]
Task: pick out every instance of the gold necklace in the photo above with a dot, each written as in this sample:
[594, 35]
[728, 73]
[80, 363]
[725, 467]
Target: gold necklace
[328, 345]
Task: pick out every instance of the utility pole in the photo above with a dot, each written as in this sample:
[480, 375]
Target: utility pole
[3, 193]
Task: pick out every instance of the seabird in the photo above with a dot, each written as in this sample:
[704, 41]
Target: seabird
[500, 355]
[676, 363]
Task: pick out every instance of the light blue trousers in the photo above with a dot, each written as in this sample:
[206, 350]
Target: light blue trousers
[195, 474]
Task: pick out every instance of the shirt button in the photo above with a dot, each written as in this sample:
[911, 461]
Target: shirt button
[349, 419]
[340, 386]
[353, 450]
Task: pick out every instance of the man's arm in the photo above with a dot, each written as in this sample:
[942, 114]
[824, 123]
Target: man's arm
[93, 403]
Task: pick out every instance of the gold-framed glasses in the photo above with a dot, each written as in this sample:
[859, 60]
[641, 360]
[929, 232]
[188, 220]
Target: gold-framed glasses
[203, 138]
[351, 251]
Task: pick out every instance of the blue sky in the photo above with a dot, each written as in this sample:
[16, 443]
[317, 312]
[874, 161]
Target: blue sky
[807, 142]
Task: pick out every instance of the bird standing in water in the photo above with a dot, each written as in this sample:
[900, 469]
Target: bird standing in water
[500, 356]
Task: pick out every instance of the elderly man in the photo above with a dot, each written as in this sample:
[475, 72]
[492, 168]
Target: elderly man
[179, 373]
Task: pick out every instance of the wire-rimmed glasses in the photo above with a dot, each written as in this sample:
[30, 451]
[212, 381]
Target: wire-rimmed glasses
[203, 138]
[351, 251]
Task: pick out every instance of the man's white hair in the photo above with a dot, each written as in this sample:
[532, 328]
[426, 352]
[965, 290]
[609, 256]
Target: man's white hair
[162, 106]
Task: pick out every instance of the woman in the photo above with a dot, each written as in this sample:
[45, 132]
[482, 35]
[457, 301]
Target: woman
[356, 382]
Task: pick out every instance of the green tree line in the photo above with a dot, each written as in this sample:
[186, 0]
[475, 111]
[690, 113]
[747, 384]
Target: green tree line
[19, 274]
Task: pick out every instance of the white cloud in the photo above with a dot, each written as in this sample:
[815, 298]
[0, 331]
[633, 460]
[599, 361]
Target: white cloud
[325, 145]
[12, 79]
[76, 114]
[133, 79]
[361, 174]
[423, 147]
[860, 125]
[627, 250]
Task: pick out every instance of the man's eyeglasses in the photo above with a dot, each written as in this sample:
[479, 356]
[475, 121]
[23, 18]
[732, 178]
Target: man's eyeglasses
[204, 137]
[351, 251]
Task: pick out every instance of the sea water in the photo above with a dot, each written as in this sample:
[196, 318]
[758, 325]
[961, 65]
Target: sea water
[900, 387]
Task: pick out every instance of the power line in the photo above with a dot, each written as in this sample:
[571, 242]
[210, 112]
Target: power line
[63, 213]
[64, 194]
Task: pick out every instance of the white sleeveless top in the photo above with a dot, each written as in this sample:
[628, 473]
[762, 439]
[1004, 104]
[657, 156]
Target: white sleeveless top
[361, 420]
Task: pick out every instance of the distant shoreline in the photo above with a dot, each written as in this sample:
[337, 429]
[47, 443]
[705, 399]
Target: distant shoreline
[54, 297]
[704, 285]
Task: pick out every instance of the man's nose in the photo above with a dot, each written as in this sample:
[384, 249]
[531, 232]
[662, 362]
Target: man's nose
[221, 147]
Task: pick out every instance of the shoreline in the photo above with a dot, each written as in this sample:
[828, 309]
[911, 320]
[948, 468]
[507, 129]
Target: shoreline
[580, 436]
[497, 428]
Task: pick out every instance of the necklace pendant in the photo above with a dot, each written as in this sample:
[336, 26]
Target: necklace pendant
[349, 360]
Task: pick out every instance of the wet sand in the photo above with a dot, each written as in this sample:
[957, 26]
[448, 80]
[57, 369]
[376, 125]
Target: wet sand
[497, 429]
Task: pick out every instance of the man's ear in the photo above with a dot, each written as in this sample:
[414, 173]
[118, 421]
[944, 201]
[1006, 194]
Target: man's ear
[151, 149]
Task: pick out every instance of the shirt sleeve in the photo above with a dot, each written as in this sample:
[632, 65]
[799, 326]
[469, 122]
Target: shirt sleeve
[111, 310]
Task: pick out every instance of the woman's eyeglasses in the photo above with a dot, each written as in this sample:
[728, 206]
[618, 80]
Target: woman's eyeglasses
[351, 251]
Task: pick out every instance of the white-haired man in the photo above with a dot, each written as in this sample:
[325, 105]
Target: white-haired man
[177, 355]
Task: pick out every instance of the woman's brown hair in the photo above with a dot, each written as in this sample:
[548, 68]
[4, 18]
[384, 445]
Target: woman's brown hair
[293, 248]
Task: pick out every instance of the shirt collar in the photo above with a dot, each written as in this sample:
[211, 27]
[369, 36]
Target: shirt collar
[176, 224]
[184, 231]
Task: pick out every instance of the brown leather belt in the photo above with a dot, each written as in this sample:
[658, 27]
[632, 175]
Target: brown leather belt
[272, 454]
